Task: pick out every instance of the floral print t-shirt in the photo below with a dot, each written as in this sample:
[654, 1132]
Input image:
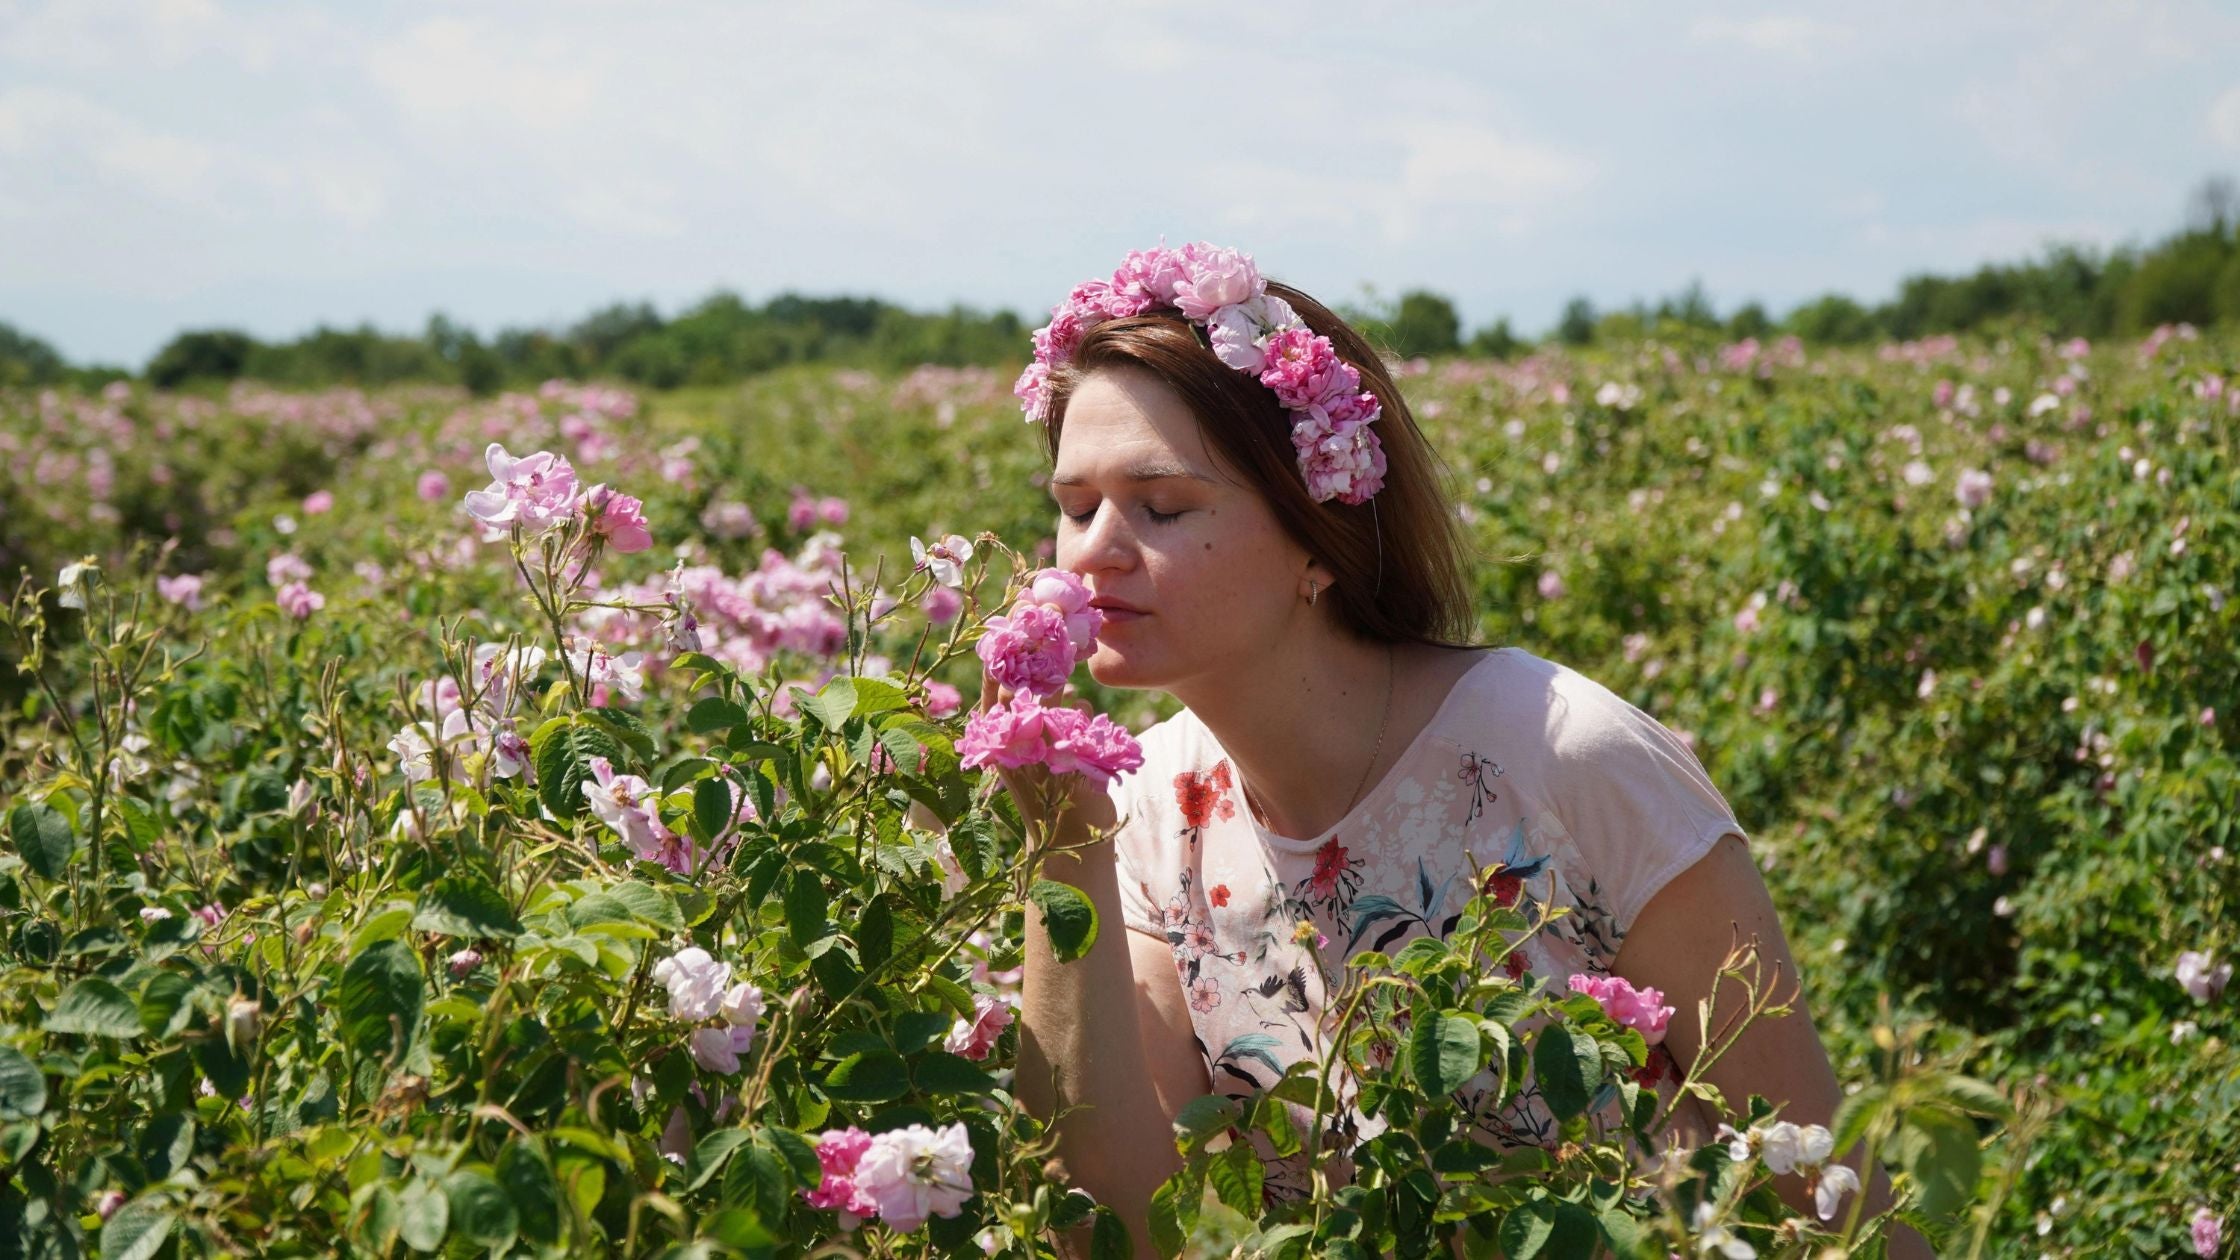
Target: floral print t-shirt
[1573, 795]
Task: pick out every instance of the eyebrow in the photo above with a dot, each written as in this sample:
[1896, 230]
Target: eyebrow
[1141, 472]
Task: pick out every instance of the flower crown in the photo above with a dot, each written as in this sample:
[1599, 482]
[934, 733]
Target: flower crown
[1250, 330]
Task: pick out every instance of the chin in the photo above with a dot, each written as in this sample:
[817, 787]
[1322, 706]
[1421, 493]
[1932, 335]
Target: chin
[1111, 669]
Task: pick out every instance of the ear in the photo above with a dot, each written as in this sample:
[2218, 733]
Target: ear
[1316, 574]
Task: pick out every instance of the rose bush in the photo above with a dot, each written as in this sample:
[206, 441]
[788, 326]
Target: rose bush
[610, 876]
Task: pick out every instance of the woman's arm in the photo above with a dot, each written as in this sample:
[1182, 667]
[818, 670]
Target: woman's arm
[1676, 944]
[1108, 1032]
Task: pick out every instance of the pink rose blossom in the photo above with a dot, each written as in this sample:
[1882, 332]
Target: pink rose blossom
[620, 518]
[801, 514]
[1066, 741]
[2208, 1233]
[1641, 1009]
[976, 1038]
[299, 601]
[318, 502]
[185, 589]
[2202, 976]
[1216, 277]
[1303, 368]
[839, 1153]
[941, 604]
[915, 1172]
[832, 510]
[718, 1049]
[535, 492]
[433, 487]
[1028, 649]
[941, 699]
[286, 567]
[695, 980]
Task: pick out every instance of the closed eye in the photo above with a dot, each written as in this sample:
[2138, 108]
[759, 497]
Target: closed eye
[1157, 517]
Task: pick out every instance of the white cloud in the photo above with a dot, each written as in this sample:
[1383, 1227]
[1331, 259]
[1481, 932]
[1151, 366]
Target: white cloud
[1777, 34]
[2224, 119]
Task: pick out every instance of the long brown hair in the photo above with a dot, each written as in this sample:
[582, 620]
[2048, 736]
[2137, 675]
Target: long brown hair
[1398, 557]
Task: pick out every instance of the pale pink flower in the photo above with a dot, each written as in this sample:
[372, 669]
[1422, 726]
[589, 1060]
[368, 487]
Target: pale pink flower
[1551, 585]
[695, 980]
[1204, 994]
[976, 1038]
[2201, 975]
[832, 510]
[2208, 1233]
[1973, 489]
[318, 502]
[535, 492]
[1240, 330]
[945, 559]
[1995, 861]
[185, 590]
[619, 518]
[941, 698]
[433, 487]
[1214, 277]
[299, 601]
[463, 962]
[718, 1049]
[915, 1172]
[1641, 1009]
[941, 605]
[801, 514]
[284, 568]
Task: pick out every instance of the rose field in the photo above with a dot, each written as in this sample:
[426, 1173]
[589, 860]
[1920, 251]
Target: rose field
[549, 823]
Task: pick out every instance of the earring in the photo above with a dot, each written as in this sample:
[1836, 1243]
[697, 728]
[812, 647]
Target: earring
[1313, 589]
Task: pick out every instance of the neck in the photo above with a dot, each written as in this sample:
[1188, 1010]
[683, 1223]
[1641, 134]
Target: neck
[1300, 726]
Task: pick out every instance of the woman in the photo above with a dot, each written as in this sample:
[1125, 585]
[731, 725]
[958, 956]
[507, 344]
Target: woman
[1241, 484]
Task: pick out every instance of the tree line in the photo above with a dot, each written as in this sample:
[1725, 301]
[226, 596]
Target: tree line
[2192, 276]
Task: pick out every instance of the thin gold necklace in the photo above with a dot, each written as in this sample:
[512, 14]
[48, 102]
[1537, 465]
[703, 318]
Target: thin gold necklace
[1252, 799]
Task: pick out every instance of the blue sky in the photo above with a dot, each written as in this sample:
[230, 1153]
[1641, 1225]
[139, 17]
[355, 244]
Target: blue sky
[179, 163]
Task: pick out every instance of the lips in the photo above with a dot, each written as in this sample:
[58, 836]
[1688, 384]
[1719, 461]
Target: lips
[1116, 607]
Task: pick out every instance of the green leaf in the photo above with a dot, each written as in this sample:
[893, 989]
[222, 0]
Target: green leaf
[1068, 916]
[757, 1179]
[23, 1088]
[798, 1152]
[1939, 1148]
[1108, 1237]
[711, 807]
[423, 1215]
[1202, 1117]
[714, 713]
[528, 1182]
[94, 1007]
[712, 1152]
[1524, 1232]
[380, 1002]
[562, 750]
[941, 1072]
[873, 1076]
[42, 835]
[164, 1009]
[834, 705]
[1568, 1066]
[1235, 1174]
[627, 729]
[1443, 1052]
[1855, 1114]
[480, 1210]
[137, 1231]
[467, 906]
[1966, 1093]
[636, 900]
[877, 695]
[806, 912]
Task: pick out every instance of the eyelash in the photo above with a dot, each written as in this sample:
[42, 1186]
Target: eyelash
[1157, 517]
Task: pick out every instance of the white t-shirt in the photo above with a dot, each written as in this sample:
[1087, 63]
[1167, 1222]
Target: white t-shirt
[1589, 802]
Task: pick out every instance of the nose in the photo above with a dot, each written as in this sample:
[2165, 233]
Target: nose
[1106, 543]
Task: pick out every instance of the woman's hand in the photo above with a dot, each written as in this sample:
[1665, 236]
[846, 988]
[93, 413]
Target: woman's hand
[1032, 786]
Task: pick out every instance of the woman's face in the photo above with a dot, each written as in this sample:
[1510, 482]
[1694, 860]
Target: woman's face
[1150, 519]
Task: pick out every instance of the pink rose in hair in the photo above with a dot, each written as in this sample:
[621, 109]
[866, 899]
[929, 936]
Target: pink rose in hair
[1218, 277]
[1055, 341]
[1032, 388]
[1303, 368]
[1239, 330]
[1152, 274]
